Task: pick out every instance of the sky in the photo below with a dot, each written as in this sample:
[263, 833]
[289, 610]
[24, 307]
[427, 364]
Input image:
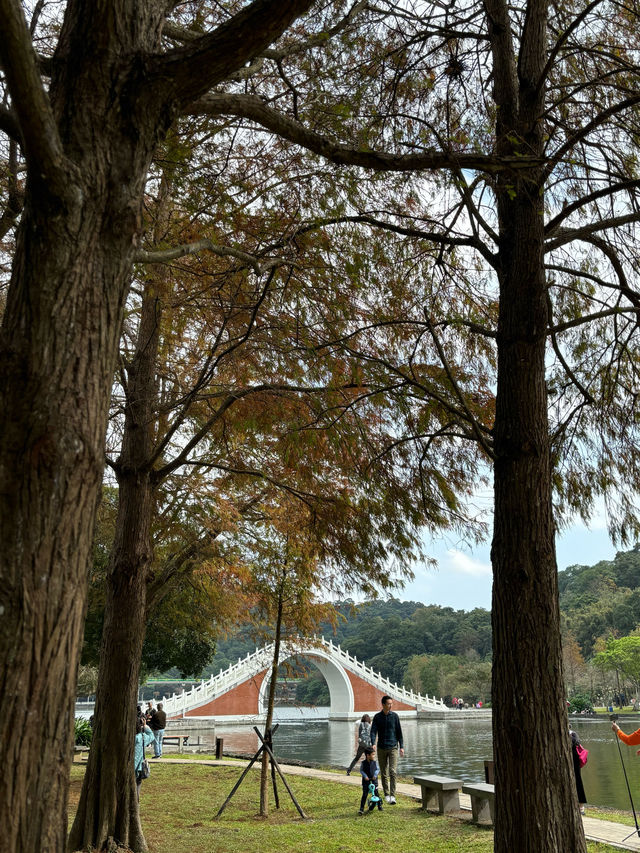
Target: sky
[462, 579]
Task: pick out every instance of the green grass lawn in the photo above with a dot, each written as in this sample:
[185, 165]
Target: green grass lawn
[178, 805]
[603, 711]
[613, 815]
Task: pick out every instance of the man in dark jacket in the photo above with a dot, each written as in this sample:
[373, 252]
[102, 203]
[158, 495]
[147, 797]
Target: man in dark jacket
[387, 729]
[157, 723]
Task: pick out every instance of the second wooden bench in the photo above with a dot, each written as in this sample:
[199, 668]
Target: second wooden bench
[179, 739]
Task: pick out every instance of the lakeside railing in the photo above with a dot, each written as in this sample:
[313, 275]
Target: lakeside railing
[261, 659]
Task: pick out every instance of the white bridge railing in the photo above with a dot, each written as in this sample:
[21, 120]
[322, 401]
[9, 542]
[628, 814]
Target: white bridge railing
[261, 659]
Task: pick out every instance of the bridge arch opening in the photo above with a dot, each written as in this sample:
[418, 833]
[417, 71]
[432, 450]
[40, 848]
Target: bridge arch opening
[301, 684]
[341, 699]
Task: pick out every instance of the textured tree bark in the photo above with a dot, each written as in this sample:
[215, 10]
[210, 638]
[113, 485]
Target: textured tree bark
[59, 343]
[529, 717]
[60, 339]
[108, 807]
[88, 142]
[536, 806]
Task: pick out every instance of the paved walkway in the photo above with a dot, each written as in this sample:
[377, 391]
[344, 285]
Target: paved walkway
[604, 831]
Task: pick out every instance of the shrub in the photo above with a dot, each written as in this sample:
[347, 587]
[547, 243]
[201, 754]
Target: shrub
[83, 731]
[580, 702]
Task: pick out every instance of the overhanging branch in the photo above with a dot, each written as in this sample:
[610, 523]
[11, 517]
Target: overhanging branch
[189, 71]
[254, 109]
[163, 256]
[38, 130]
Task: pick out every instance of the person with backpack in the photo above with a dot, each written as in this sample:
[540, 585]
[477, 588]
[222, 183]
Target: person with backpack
[364, 740]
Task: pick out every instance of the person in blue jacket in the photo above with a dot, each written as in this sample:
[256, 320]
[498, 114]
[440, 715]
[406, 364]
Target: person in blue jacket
[144, 737]
[387, 729]
[369, 773]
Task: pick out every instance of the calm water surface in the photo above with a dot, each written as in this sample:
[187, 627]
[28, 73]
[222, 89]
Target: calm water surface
[457, 748]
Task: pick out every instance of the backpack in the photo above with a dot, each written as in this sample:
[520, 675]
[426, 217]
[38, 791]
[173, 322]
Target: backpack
[364, 734]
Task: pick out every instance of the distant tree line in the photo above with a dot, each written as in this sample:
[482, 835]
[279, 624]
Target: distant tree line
[600, 609]
[601, 600]
[445, 652]
[429, 648]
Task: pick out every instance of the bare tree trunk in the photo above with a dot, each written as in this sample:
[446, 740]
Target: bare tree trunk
[108, 807]
[536, 807]
[264, 774]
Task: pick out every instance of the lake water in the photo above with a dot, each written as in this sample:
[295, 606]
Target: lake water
[455, 748]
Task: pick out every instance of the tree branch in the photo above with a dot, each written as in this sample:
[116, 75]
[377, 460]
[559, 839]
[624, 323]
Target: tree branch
[475, 426]
[183, 35]
[189, 71]
[589, 318]
[15, 198]
[606, 192]
[38, 130]
[10, 125]
[574, 25]
[254, 109]
[163, 256]
[554, 343]
[568, 235]
[583, 132]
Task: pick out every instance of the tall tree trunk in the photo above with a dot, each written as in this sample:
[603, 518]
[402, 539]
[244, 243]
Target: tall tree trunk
[536, 807]
[59, 343]
[264, 774]
[108, 807]
[88, 142]
[50, 468]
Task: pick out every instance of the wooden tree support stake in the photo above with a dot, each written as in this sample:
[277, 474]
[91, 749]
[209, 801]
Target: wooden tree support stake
[239, 782]
[265, 745]
[275, 764]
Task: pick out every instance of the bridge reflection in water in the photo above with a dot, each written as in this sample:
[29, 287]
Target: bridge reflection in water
[456, 747]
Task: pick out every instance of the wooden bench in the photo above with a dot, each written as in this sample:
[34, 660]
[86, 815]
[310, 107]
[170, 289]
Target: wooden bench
[446, 790]
[179, 739]
[482, 800]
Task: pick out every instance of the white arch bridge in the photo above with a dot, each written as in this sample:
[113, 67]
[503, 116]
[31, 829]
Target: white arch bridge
[240, 691]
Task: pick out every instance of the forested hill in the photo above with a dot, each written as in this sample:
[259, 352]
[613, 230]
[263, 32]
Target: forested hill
[386, 634]
[599, 600]
[595, 601]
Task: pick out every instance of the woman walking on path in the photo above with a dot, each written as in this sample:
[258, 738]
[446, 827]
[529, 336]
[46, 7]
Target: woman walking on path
[364, 740]
[577, 769]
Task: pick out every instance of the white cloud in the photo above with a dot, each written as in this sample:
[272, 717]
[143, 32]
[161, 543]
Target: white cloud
[463, 564]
